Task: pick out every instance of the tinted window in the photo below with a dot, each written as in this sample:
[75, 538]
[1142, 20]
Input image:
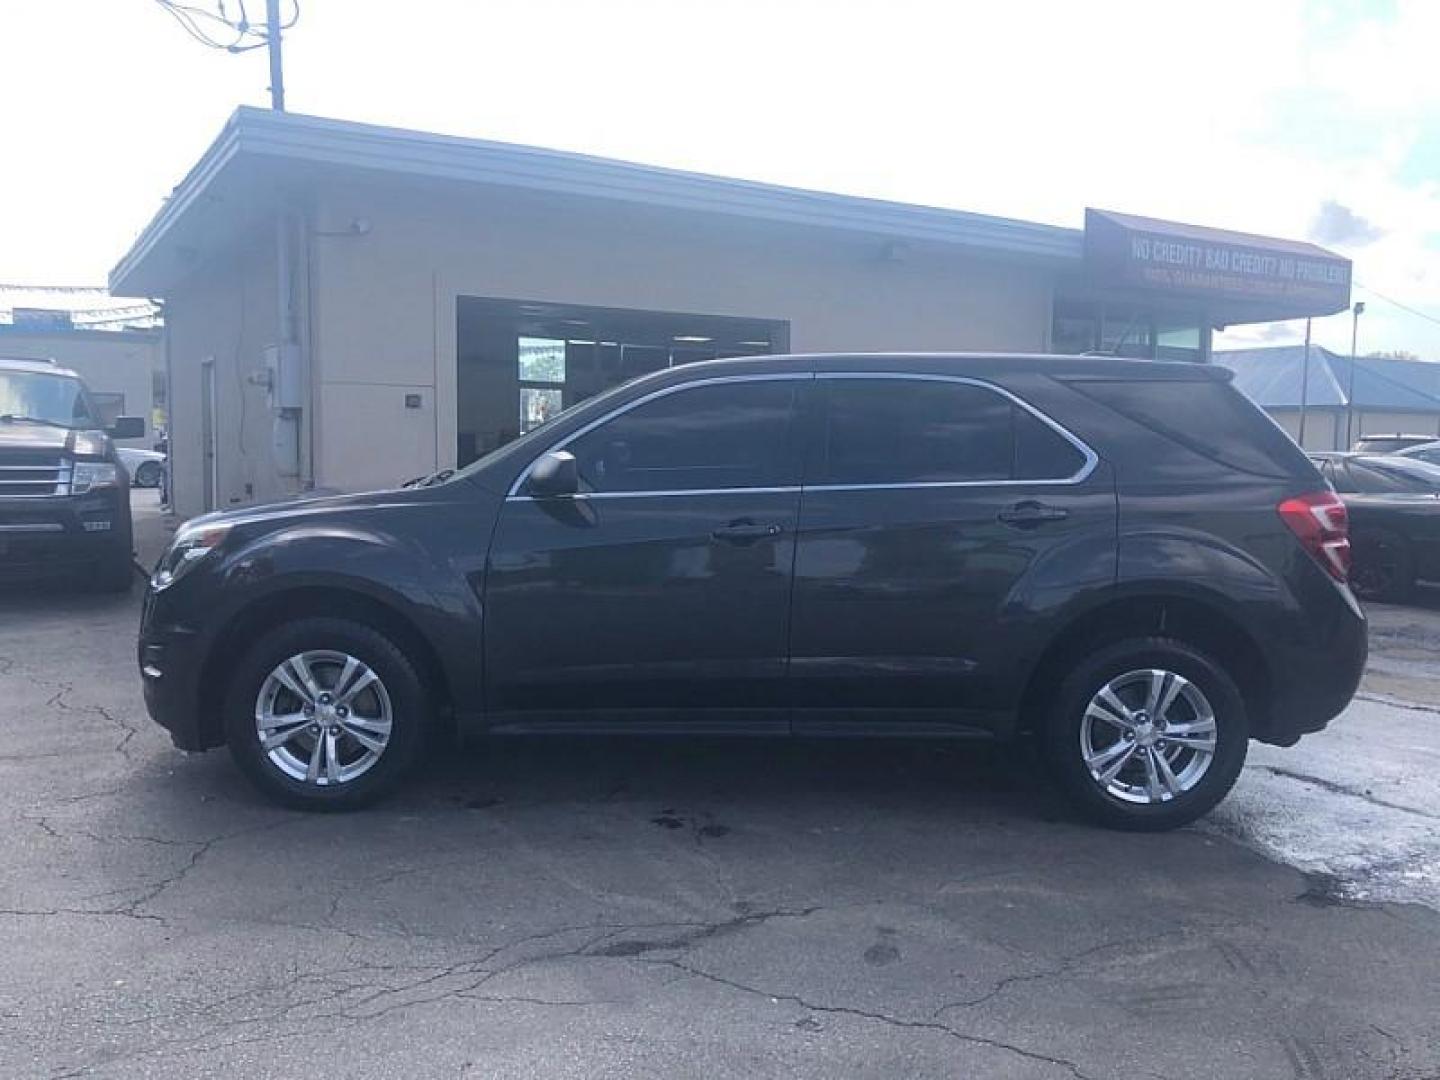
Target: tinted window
[728, 435]
[1041, 453]
[1207, 417]
[898, 431]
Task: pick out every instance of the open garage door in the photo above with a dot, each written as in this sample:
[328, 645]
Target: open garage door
[520, 362]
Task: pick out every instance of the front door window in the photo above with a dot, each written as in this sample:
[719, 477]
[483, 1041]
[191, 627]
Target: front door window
[704, 438]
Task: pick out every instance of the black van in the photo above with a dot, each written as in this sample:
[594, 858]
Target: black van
[64, 496]
[1125, 560]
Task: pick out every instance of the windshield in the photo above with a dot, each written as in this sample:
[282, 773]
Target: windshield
[39, 396]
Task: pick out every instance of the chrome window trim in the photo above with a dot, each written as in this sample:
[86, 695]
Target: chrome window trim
[654, 395]
[1091, 459]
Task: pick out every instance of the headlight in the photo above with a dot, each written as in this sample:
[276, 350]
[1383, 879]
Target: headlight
[92, 443]
[93, 475]
[191, 544]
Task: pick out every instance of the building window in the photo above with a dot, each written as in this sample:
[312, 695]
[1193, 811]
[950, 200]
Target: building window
[542, 381]
[1133, 330]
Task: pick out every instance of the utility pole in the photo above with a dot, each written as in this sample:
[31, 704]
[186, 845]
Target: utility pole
[1305, 384]
[272, 40]
[1357, 311]
[217, 30]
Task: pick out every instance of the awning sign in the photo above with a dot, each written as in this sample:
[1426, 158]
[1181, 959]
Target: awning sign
[1143, 253]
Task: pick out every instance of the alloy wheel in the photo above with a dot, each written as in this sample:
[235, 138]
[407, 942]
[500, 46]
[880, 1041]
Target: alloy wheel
[1148, 736]
[323, 717]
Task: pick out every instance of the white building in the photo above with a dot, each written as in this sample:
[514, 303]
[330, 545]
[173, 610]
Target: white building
[348, 306]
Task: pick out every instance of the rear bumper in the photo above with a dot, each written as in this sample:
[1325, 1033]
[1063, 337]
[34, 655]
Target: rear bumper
[1315, 673]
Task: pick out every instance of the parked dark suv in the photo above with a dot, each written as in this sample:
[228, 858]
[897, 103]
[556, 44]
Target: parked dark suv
[64, 496]
[1124, 559]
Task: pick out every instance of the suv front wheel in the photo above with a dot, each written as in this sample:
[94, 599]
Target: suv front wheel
[1147, 734]
[325, 714]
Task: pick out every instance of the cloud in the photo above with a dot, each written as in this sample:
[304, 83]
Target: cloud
[1336, 223]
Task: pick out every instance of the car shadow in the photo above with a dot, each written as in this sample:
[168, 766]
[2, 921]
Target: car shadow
[971, 780]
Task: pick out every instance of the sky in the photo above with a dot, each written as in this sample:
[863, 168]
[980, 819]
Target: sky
[1313, 120]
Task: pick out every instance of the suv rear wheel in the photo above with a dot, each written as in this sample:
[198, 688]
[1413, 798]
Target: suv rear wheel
[325, 714]
[1147, 734]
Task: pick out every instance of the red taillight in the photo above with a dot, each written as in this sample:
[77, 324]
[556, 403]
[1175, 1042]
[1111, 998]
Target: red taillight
[1323, 528]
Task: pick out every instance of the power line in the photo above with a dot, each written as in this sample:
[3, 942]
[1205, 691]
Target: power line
[1398, 304]
[240, 35]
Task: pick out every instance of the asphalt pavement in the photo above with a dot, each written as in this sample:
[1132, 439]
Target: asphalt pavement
[749, 908]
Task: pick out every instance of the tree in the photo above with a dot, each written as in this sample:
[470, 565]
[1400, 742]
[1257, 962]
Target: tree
[1393, 354]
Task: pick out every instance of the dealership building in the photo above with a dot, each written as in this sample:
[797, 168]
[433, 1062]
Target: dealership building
[349, 306]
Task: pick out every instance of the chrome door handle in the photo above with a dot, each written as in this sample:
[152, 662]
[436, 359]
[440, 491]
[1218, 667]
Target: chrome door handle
[1031, 514]
[745, 532]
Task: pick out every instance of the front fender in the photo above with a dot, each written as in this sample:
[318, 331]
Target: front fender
[426, 590]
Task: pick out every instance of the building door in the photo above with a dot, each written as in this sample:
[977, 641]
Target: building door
[661, 593]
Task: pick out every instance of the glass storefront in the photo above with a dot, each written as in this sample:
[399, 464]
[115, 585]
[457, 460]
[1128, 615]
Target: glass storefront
[1137, 331]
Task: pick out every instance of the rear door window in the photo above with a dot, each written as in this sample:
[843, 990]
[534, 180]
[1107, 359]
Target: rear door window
[895, 431]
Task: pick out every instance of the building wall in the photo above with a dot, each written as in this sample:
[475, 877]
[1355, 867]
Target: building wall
[1325, 427]
[1389, 423]
[224, 316]
[377, 313]
[110, 362]
[1320, 427]
[385, 318]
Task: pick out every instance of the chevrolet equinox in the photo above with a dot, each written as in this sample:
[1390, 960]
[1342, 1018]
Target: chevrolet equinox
[1125, 561]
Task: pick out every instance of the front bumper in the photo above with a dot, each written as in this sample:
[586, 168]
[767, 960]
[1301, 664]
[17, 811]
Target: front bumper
[40, 535]
[170, 654]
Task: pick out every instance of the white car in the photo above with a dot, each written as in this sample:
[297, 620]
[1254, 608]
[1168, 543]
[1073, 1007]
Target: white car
[144, 466]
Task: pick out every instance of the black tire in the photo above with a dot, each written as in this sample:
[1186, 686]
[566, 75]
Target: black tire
[114, 573]
[408, 699]
[1382, 567]
[148, 474]
[1061, 733]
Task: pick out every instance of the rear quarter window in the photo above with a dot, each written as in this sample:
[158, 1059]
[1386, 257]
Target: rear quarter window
[1209, 418]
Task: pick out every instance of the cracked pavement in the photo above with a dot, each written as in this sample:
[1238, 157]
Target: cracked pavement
[631, 909]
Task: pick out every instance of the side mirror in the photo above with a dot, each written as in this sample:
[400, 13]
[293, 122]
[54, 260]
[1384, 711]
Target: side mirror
[127, 427]
[554, 474]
